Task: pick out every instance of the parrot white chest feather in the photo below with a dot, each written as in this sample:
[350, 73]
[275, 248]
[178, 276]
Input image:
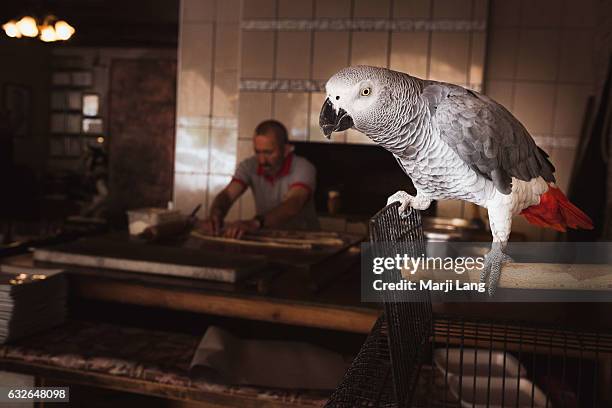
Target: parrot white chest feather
[439, 173]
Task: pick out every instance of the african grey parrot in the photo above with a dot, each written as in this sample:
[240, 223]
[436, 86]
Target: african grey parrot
[453, 143]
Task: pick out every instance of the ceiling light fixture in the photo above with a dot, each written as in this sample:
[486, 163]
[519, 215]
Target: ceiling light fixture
[63, 30]
[50, 30]
[27, 26]
[10, 28]
[47, 33]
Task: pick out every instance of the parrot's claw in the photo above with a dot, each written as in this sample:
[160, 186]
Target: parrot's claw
[405, 214]
[492, 267]
[405, 199]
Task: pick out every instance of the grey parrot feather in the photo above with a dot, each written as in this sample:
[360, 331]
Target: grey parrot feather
[486, 136]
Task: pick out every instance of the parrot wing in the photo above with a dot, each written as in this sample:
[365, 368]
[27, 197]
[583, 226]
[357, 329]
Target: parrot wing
[486, 136]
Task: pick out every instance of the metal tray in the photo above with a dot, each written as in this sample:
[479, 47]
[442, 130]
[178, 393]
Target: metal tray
[481, 392]
[476, 363]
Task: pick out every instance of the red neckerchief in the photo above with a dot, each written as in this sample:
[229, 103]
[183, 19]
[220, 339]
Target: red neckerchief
[283, 171]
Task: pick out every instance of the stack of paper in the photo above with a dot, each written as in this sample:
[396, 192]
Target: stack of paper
[30, 303]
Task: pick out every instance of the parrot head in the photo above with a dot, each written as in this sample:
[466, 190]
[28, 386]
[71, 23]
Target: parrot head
[359, 97]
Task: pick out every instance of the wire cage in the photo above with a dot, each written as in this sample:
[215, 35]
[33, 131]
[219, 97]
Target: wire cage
[412, 358]
[385, 371]
[483, 363]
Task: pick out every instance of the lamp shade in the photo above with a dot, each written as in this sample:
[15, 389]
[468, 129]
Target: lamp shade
[47, 33]
[11, 29]
[27, 26]
[63, 30]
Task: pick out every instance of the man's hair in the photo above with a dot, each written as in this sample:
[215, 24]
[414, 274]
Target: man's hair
[275, 127]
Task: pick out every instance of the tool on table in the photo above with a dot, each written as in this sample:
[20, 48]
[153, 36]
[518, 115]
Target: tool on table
[171, 228]
[192, 217]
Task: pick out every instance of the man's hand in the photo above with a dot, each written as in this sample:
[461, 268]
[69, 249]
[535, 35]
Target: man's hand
[220, 206]
[211, 225]
[238, 228]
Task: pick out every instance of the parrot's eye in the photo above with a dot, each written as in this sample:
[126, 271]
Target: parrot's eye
[337, 97]
[366, 91]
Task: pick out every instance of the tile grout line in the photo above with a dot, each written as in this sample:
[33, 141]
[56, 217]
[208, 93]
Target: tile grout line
[179, 75]
[313, 12]
[556, 84]
[390, 33]
[274, 59]
[364, 25]
[429, 41]
[350, 51]
[210, 109]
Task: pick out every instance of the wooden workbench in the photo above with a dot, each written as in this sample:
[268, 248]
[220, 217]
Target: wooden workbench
[289, 299]
[290, 296]
[147, 362]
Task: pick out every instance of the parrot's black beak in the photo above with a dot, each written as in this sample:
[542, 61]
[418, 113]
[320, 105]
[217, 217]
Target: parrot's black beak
[330, 121]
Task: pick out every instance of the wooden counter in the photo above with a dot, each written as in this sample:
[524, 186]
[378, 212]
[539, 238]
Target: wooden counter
[289, 299]
[308, 293]
[146, 362]
[229, 304]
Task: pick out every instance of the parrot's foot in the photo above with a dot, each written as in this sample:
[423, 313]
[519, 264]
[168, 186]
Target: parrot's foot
[492, 267]
[405, 201]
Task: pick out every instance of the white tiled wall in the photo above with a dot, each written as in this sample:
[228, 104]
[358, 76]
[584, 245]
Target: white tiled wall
[253, 107]
[291, 108]
[448, 55]
[412, 53]
[454, 54]
[539, 65]
[207, 101]
[214, 53]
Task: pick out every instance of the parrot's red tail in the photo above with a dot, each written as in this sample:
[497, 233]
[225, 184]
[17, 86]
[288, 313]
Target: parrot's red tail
[556, 212]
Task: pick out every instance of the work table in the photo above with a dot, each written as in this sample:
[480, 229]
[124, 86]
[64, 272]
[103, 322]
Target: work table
[287, 297]
[147, 362]
[308, 293]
